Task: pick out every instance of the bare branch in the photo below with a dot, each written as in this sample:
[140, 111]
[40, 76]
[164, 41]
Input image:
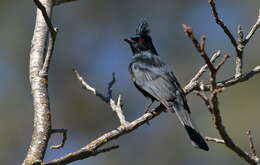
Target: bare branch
[45, 16]
[240, 43]
[51, 41]
[39, 86]
[202, 95]
[222, 62]
[212, 103]
[225, 83]
[200, 46]
[251, 144]
[88, 87]
[105, 150]
[240, 34]
[45, 68]
[194, 81]
[216, 140]
[110, 85]
[87, 151]
[253, 30]
[116, 107]
[234, 80]
[238, 47]
[221, 23]
[64, 137]
[59, 2]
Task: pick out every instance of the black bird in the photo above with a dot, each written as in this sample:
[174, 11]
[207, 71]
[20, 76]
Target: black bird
[154, 79]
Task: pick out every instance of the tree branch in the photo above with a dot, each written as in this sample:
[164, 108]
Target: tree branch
[252, 146]
[253, 29]
[212, 102]
[226, 83]
[115, 106]
[216, 140]
[221, 23]
[59, 2]
[87, 151]
[39, 87]
[238, 44]
[51, 41]
[64, 137]
[194, 81]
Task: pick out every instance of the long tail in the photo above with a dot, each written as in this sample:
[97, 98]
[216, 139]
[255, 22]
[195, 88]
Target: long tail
[184, 117]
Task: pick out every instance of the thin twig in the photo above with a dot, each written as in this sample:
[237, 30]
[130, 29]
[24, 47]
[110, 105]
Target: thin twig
[202, 95]
[59, 2]
[221, 23]
[110, 85]
[222, 62]
[88, 87]
[253, 30]
[64, 137]
[115, 106]
[194, 81]
[238, 47]
[200, 46]
[47, 60]
[216, 140]
[225, 83]
[251, 144]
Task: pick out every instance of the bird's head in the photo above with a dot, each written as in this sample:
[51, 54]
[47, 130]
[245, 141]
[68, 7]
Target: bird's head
[141, 41]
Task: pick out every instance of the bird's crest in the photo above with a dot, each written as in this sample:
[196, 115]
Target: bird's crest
[143, 28]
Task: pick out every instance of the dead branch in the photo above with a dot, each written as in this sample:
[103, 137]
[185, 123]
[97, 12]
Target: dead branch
[59, 2]
[212, 102]
[216, 140]
[39, 86]
[115, 106]
[87, 151]
[39, 66]
[252, 146]
[64, 137]
[238, 44]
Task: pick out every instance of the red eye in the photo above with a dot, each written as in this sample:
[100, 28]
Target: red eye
[141, 40]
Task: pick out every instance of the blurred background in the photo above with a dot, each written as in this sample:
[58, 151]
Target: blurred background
[91, 40]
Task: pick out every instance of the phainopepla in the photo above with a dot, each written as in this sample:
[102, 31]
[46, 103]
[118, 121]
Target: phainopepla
[154, 79]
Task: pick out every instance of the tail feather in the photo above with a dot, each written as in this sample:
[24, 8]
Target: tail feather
[196, 138]
[184, 117]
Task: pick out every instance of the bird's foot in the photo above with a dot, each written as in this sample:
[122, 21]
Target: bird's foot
[148, 111]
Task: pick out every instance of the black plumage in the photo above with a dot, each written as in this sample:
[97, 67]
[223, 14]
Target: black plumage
[154, 79]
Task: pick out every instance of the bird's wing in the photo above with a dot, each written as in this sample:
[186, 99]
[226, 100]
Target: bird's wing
[159, 82]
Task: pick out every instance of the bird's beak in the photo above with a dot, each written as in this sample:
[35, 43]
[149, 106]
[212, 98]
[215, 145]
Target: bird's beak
[129, 40]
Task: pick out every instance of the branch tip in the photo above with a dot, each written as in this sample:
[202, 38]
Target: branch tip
[64, 137]
[251, 144]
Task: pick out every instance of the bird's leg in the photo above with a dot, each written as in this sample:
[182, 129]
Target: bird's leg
[147, 109]
[164, 109]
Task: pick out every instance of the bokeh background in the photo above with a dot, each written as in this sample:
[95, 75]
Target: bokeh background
[91, 40]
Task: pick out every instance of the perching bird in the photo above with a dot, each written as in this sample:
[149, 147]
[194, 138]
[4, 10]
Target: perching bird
[155, 80]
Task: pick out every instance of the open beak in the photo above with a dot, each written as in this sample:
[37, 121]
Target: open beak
[129, 40]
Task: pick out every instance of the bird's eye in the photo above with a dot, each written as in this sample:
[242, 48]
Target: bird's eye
[141, 40]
